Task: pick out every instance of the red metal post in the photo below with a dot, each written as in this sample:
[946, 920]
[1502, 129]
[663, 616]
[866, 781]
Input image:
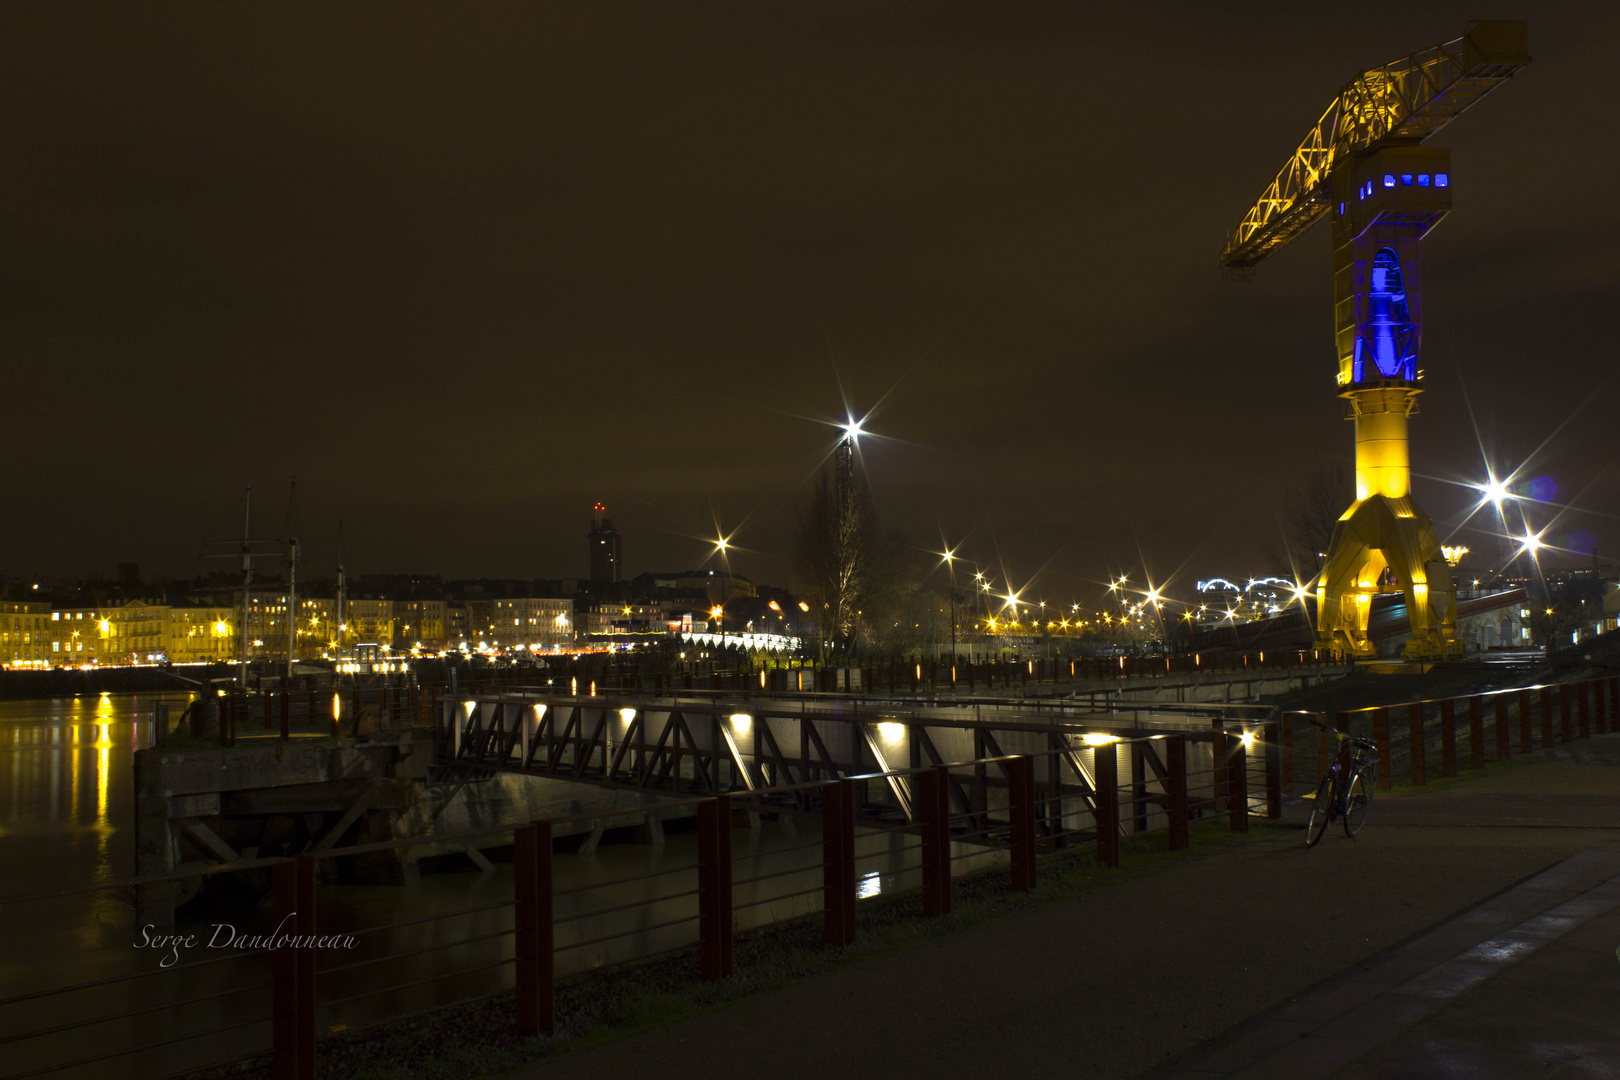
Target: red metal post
[1105, 766]
[1476, 732]
[1599, 708]
[934, 815]
[1448, 737]
[1381, 740]
[285, 1006]
[1566, 732]
[838, 859]
[1021, 814]
[714, 886]
[306, 968]
[1504, 744]
[1583, 709]
[1273, 767]
[1237, 784]
[1614, 703]
[1175, 764]
[1546, 717]
[1415, 747]
[1323, 760]
[531, 863]
[286, 720]
[1287, 725]
[1527, 741]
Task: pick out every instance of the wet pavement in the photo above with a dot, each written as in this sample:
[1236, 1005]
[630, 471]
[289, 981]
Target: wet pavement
[1468, 932]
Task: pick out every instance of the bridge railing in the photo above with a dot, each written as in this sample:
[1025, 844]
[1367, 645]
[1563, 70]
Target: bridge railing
[260, 714]
[921, 676]
[1428, 738]
[319, 965]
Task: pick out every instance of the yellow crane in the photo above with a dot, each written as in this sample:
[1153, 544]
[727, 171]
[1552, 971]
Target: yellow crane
[1363, 166]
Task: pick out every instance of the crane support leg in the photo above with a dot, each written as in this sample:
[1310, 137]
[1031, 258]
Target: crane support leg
[1384, 534]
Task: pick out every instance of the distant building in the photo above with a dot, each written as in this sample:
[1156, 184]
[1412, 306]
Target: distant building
[642, 619]
[22, 634]
[604, 546]
[369, 621]
[718, 585]
[132, 632]
[457, 626]
[419, 622]
[201, 632]
[521, 623]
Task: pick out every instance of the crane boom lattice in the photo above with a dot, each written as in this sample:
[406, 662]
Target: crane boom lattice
[1404, 101]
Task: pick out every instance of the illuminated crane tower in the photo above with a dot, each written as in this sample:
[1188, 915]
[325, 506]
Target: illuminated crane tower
[1364, 166]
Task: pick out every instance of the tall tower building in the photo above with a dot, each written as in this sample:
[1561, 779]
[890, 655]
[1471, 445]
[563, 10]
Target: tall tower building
[604, 546]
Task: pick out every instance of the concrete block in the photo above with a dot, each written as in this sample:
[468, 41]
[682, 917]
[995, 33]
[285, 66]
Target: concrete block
[201, 805]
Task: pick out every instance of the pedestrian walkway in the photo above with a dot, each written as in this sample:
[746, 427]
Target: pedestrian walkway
[1365, 958]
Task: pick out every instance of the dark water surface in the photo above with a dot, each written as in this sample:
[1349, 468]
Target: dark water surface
[67, 820]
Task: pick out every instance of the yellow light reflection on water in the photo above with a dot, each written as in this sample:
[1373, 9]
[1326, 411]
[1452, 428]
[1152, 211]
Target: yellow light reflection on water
[102, 752]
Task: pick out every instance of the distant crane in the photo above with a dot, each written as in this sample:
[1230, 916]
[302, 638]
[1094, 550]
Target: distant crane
[1363, 166]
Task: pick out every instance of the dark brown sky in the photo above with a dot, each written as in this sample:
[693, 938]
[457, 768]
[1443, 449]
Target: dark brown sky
[465, 269]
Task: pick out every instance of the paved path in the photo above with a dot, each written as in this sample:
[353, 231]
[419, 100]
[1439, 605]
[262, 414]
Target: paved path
[1371, 958]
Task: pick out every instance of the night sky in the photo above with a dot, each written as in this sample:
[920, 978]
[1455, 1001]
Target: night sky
[465, 269]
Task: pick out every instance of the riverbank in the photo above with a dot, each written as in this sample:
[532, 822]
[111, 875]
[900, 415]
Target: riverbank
[66, 683]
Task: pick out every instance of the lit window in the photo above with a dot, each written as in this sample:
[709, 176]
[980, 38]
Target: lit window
[1423, 179]
[1389, 179]
[1441, 180]
[1406, 179]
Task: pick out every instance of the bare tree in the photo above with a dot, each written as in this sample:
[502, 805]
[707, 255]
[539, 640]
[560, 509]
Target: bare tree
[1308, 523]
[839, 555]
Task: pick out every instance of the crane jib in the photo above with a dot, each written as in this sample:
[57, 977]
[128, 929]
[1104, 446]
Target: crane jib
[1404, 101]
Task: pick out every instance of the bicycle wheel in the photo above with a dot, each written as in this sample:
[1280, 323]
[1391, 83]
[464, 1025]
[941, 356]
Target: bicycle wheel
[1321, 810]
[1355, 813]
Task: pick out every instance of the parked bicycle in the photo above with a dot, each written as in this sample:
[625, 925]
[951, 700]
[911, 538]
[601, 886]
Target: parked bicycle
[1346, 791]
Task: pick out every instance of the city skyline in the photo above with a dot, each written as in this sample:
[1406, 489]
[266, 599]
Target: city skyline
[306, 249]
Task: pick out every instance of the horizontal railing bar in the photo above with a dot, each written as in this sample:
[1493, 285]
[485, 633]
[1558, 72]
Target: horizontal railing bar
[418, 982]
[132, 1012]
[418, 952]
[626, 907]
[689, 867]
[627, 933]
[778, 873]
[775, 851]
[430, 918]
[137, 1049]
[784, 896]
[108, 981]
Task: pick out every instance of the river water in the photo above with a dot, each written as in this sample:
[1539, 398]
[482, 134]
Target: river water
[67, 821]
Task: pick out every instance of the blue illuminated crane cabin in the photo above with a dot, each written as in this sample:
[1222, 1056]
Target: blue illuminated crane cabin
[1398, 196]
[1363, 165]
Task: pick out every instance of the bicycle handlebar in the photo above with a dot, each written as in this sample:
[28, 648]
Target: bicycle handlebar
[1365, 744]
